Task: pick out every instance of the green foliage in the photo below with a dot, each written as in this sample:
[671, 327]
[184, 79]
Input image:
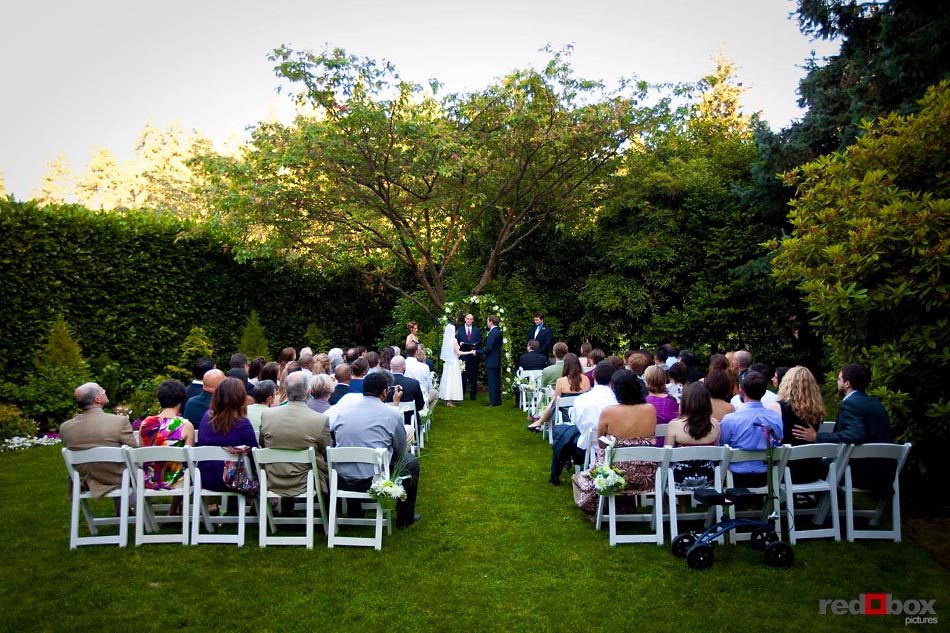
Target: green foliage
[316, 339]
[387, 178]
[14, 424]
[132, 285]
[870, 250]
[61, 349]
[196, 345]
[253, 342]
[144, 399]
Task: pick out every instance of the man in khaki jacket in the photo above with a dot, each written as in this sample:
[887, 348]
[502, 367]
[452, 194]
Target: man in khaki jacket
[295, 426]
[92, 428]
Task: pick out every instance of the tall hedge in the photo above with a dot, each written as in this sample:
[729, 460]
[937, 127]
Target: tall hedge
[132, 285]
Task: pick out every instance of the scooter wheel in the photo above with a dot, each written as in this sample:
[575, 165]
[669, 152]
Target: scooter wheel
[682, 543]
[779, 554]
[700, 557]
[761, 537]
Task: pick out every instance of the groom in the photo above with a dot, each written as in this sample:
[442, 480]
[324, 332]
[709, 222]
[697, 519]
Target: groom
[469, 338]
[492, 354]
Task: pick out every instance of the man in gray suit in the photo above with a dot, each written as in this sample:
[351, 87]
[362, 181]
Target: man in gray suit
[92, 428]
[295, 426]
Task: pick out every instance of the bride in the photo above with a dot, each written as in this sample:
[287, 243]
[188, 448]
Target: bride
[450, 387]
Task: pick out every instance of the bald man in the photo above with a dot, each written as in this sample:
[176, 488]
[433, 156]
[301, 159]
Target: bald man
[195, 407]
[92, 428]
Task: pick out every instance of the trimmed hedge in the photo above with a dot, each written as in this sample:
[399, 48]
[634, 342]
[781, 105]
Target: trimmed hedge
[132, 285]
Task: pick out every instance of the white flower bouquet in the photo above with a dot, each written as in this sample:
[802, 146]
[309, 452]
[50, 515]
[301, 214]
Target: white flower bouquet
[387, 491]
[607, 479]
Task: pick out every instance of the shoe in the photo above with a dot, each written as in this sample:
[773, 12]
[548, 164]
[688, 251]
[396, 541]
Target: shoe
[533, 418]
[533, 429]
[448, 403]
[555, 481]
[471, 397]
[415, 519]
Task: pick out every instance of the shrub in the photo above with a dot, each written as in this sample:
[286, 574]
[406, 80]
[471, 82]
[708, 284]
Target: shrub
[13, 424]
[253, 341]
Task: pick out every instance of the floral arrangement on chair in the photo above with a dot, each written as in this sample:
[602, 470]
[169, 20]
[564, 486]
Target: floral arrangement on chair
[388, 491]
[607, 479]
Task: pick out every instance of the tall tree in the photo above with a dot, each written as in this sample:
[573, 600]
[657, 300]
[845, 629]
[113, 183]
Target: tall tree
[57, 184]
[383, 172]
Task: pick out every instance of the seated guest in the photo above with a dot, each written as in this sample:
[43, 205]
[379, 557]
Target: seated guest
[321, 364]
[688, 358]
[666, 407]
[570, 440]
[532, 360]
[202, 366]
[745, 429]
[270, 371]
[295, 427]
[417, 368]
[254, 370]
[551, 373]
[265, 396]
[167, 428]
[677, 375]
[768, 397]
[320, 389]
[358, 369]
[696, 426]
[287, 355]
[224, 424]
[342, 373]
[633, 423]
[411, 389]
[385, 356]
[372, 359]
[306, 363]
[800, 404]
[571, 381]
[92, 428]
[584, 356]
[336, 358]
[372, 423]
[195, 407]
[720, 384]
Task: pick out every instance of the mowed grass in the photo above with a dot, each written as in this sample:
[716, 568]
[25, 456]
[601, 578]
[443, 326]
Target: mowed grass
[498, 549]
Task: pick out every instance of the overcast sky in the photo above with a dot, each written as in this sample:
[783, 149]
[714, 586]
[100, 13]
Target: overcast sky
[80, 75]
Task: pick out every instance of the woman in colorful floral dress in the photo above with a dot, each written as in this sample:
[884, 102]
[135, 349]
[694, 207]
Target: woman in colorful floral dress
[167, 428]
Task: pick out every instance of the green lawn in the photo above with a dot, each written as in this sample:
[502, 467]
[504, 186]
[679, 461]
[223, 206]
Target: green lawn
[499, 548]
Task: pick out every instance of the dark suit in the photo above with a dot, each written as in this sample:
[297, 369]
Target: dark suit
[411, 390]
[545, 338]
[533, 361]
[492, 354]
[193, 389]
[864, 420]
[195, 408]
[471, 361]
[338, 392]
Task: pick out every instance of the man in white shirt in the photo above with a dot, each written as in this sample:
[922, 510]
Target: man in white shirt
[419, 370]
[570, 441]
[770, 397]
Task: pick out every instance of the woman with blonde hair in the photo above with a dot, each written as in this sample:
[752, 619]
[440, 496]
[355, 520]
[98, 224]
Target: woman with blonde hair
[800, 404]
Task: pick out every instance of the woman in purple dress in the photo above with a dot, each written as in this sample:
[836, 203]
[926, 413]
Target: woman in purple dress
[224, 424]
[667, 408]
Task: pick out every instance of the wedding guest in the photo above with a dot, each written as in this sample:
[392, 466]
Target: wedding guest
[202, 366]
[287, 355]
[270, 371]
[336, 358]
[321, 364]
[224, 424]
[596, 355]
[633, 423]
[571, 381]
[720, 385]
[666, 407]
[677, 374]
[800, 404]
[254, 370]
[320, 389]
[385, 357]
[168, 428]
[696, 426]
[265, 396]
[584, 356]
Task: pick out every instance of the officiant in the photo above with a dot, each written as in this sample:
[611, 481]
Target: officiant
[469, 338]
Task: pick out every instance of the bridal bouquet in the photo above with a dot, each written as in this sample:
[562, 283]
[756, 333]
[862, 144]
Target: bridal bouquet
[607, 479]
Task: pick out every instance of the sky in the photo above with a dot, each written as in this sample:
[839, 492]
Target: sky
[77, 76]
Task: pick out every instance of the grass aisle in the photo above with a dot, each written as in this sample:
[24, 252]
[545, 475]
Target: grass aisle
[498, 549]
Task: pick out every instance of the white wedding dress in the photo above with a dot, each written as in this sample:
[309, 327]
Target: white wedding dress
[450, 387]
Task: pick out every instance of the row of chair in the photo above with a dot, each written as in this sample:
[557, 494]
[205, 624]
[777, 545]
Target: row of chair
[840, 458]
[197, 522]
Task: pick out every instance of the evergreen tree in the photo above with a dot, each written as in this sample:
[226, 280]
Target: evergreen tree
[253, 341]
[57, 183]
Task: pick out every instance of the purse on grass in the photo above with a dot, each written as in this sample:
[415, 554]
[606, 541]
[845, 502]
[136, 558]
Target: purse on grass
[237, 478]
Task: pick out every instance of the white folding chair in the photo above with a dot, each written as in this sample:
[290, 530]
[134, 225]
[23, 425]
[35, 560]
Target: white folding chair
[262, 458]
[591, 453]
[417, 431]
[735, 456]
[828, 487]
[200, 514]
[660, 434]
[146, 515]
[827, 427]
[678, 455]
[563, 413]
[655, 517]
[529, 389]
[80, 498]
[378, 457]
[896, 452]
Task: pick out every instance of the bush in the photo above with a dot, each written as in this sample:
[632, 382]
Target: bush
[253, 341]
[13, 424]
